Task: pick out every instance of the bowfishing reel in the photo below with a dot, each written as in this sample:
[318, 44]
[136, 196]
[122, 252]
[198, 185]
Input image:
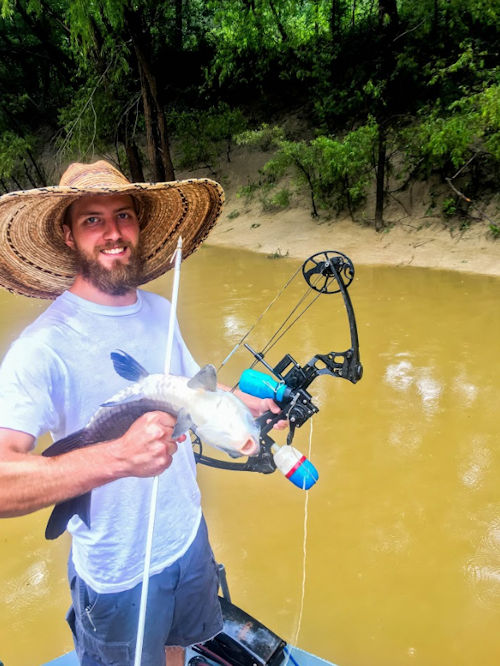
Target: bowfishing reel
[329, 272]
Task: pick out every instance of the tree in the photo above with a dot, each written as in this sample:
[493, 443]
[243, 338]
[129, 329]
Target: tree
[34, 75]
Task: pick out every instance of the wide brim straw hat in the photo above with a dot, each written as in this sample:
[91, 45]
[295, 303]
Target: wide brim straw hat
[34, 259]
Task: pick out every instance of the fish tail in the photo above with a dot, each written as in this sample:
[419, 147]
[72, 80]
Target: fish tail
[74, 441]
[63, 512]
[127, 367]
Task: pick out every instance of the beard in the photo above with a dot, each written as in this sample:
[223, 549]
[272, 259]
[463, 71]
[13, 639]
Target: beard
[117, 280]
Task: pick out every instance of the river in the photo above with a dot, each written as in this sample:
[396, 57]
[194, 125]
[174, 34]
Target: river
[393, 557]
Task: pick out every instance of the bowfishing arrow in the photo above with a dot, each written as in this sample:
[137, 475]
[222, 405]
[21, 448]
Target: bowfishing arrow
[176, 260]
[326, 273]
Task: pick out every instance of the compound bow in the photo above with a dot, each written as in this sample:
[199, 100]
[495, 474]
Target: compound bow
[327, 272]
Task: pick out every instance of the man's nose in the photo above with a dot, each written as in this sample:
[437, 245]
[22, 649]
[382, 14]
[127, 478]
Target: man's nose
[111, 228]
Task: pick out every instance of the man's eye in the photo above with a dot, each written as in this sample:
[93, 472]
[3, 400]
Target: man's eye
[125, 216]
[91, 220]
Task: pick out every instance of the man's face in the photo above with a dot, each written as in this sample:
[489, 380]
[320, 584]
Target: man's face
[104, 233]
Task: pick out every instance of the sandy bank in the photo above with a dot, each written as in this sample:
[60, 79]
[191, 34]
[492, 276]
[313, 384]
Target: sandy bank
[294, 233]
[414, 239]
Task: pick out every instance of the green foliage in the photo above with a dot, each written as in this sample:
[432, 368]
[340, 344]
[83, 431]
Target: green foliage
[13, 148]
[484, 110]
[425, 73]
[336, 172]
[281, 198]
[88, 123]
[448, 142]
[265, 138]
[202, 135]
[248, 192]
[449, 207]
[262, 33]
[495, 230]
[442, 142]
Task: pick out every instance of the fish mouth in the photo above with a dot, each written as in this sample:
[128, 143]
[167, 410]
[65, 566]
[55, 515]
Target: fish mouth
[250, 447]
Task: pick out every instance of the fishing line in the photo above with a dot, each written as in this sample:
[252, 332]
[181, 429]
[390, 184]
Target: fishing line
[304, 563]
[154, 491]
[304, 547]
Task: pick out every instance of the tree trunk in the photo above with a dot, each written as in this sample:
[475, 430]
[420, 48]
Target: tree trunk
[158, 145]
[178, 26]
[28, 175]
[153, 156]
[281, 29]
[164, 169]
[134, 161]
[39, 169]
[380, 196]
[337, 10]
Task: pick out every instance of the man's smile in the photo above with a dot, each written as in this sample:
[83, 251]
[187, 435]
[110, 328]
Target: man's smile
[114, 251]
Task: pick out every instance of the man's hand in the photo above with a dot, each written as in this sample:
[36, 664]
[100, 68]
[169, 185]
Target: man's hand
[146, 449]
[259, 406]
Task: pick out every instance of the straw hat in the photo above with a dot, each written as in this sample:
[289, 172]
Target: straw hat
[34, 259]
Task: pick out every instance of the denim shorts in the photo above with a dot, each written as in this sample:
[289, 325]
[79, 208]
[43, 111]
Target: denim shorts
[183, 609]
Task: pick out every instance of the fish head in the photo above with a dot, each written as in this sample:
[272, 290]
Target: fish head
[231, 427]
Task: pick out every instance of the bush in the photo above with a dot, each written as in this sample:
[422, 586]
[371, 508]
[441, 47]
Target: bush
[202, 135]
[336, 172]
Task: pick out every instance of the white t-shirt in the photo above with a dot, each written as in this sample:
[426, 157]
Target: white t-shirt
[54, 377]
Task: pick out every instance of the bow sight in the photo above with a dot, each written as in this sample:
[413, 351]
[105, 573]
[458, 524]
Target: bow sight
[328, 272]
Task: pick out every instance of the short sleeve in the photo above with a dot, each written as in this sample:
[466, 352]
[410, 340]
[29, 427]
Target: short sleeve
[29, 380]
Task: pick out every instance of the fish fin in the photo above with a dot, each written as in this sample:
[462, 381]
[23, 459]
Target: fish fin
[184, 423]
[127, 367]
[123, 401]
[206, 379]
[64, 511]
[76, 440]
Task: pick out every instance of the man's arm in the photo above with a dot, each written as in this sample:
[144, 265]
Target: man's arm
[29, 482]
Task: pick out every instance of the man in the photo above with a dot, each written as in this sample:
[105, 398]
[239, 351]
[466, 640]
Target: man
[90, 242]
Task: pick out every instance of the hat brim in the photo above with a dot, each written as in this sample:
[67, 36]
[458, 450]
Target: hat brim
[36, 262]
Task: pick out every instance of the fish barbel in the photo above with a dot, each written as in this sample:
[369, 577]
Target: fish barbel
[218, 417]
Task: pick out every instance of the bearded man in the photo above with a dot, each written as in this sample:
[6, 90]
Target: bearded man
[89, 243]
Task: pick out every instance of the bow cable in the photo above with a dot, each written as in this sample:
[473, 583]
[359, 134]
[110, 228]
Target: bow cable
[245, 336]
[274, 339]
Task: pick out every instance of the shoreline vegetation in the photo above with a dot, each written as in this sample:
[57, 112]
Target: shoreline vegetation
[414, 238]
[379, 119]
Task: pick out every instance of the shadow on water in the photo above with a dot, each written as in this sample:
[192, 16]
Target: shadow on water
[403, 527]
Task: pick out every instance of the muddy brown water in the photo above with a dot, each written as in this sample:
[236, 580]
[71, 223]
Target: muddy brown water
[402, 546]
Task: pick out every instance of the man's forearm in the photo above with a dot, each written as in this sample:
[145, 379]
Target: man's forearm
[30, 482]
